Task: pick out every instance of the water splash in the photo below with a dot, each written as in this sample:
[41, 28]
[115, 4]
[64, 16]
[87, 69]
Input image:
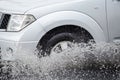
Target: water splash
[68, 65]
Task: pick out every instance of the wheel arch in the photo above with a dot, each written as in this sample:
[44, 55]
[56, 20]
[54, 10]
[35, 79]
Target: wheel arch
[63, 18]
[63, 29]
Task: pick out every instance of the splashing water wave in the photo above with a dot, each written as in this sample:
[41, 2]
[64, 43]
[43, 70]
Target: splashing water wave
[67, 65]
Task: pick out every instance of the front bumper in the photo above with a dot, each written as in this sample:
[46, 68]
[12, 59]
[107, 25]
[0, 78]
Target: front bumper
[16, 44]
[7, 49]
[10, 50]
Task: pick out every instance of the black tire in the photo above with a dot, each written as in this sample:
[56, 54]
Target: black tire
[65, 36]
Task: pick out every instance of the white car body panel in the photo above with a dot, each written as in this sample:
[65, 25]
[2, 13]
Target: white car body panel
[113, 12]
[95, 10]
[66, 17]
[99, 17]
[21, 6]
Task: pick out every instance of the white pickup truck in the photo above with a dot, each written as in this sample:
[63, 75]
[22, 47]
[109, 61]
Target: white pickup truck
[49, 25]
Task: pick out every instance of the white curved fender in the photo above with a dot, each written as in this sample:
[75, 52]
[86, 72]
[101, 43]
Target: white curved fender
[56, 19]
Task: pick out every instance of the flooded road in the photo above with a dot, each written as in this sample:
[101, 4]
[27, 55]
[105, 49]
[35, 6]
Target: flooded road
[81, 62]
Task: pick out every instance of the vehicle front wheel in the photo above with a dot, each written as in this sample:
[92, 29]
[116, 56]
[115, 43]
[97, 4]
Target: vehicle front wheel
[61, 42]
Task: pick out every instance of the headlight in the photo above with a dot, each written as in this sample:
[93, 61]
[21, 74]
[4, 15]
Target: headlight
[18, 22]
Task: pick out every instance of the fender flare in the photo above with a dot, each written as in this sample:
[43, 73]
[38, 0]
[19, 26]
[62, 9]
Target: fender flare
[56, 19]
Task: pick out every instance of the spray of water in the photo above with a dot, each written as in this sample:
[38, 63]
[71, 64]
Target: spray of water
[67, 65]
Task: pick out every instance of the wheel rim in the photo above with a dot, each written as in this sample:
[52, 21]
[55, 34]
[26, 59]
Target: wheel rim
[62, 46]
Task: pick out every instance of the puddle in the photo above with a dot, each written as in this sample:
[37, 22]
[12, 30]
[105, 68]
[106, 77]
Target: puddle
[82, 62]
